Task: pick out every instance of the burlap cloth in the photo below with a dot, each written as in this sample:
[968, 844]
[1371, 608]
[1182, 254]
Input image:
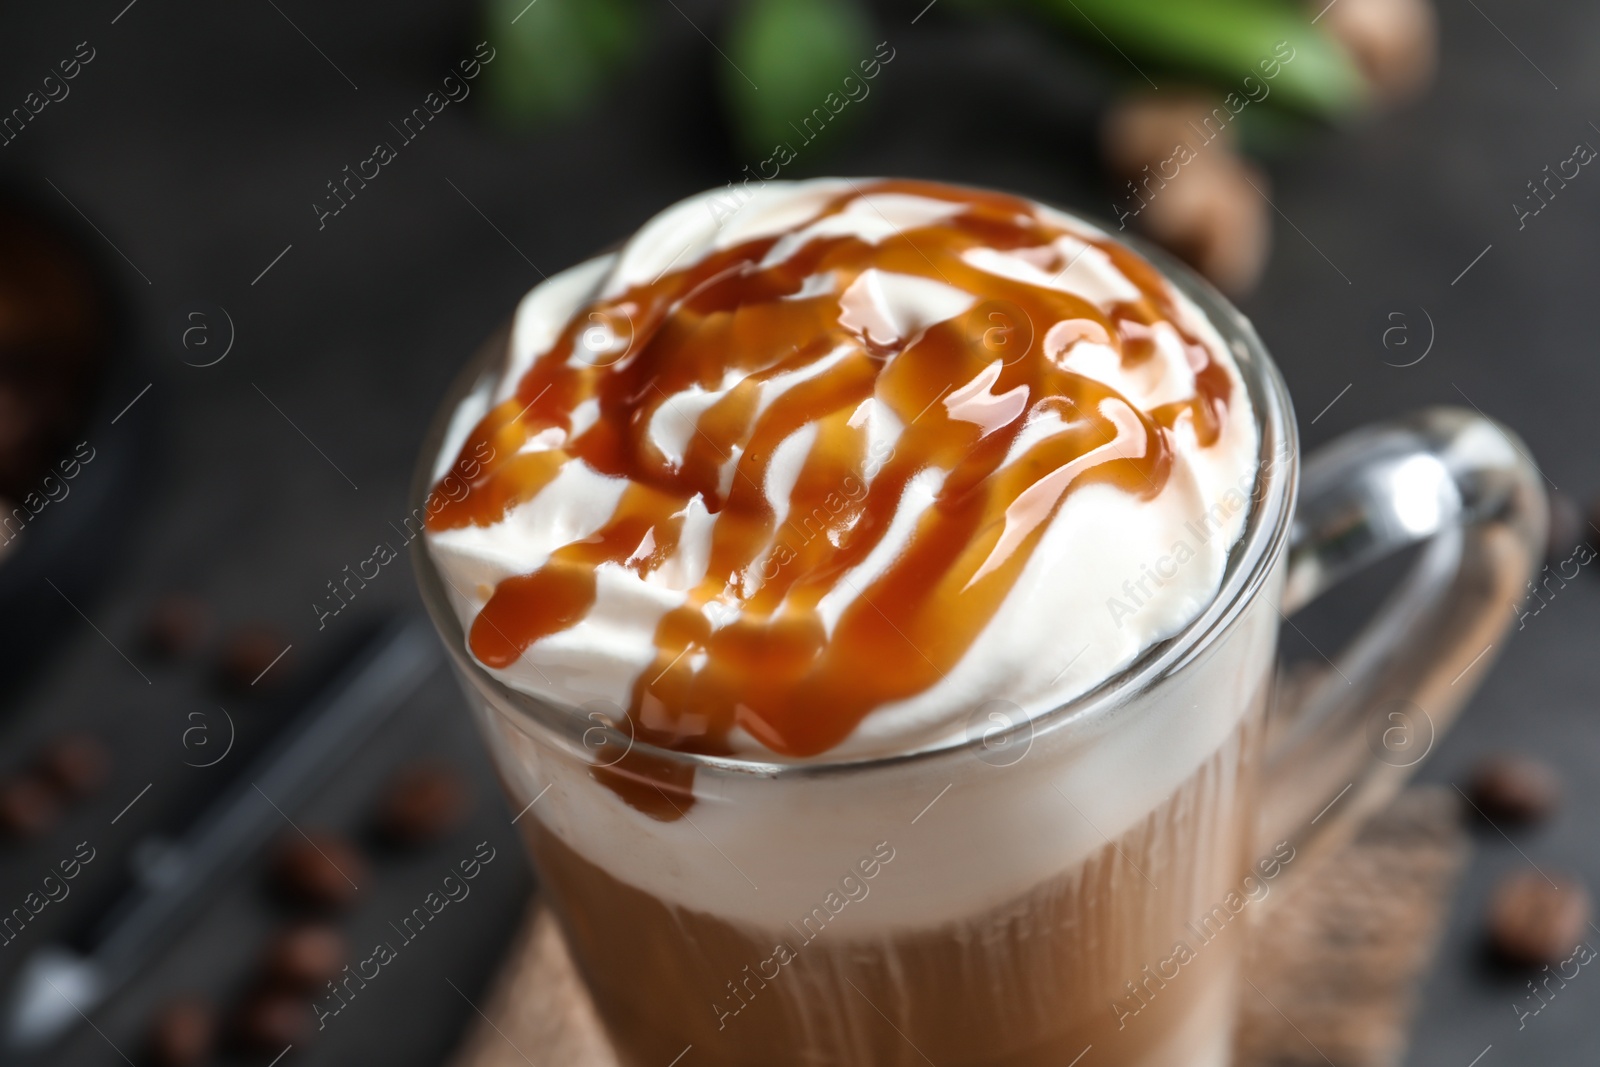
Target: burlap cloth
[1332, 976]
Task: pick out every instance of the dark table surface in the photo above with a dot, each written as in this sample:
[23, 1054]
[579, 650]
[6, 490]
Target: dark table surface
[198, 138]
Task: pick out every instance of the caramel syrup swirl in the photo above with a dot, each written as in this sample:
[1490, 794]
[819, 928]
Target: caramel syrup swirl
[748, 646]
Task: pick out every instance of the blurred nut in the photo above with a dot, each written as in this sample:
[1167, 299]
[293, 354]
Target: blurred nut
[269, 1020]
[1394, 42]
[1534, 921]
[249, 654]
[305, 956]
[76, 764]
[176, 626]
[1515, 788]
[319, 870]
[183, 1032]
[28, 807]
[1142, 131]
[1211, 217]
[421, 804]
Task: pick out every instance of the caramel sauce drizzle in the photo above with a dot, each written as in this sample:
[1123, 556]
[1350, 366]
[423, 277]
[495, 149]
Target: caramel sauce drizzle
[772, 669]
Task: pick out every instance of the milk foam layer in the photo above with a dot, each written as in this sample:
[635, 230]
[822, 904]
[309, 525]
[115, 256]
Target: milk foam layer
[969, 836]
[1112, 573]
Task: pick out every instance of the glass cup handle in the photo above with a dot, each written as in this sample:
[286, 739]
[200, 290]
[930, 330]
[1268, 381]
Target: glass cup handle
[1463, 485]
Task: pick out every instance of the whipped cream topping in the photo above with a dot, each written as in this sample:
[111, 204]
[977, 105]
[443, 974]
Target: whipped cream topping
[840, 474]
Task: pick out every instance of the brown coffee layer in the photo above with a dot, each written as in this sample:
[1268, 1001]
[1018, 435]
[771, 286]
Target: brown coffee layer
[1130, 955]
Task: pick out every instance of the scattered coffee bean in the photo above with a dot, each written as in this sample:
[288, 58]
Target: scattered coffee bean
[177, 626]
[1566, 530]
[320, 870]
[269, 1020]
[1514, 788]
[76, 764]
[250, 657]
[28, 806]
[183, 1033]
[305, 956]
[421, 804]
[1532, 921]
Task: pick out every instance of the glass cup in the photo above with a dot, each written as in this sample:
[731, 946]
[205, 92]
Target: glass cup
[1074, 888]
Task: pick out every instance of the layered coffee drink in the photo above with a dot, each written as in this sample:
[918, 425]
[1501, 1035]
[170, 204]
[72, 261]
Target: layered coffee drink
[832, 530]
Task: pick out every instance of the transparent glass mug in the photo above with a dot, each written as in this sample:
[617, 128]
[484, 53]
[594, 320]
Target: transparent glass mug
[1075, 885]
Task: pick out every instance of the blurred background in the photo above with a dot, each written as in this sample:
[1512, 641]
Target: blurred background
[219, 353]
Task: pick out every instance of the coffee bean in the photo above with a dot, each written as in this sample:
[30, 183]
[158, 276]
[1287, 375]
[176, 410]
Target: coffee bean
[320, 870]
[183, 1032]
[1515, 788]
[1532, 921]
[176, 626]
[250, 657]
[421, 804]
[75, 764]
[305, 956]
[269, 1020]
[28, 806]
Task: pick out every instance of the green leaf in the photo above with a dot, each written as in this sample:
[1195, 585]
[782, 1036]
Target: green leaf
[1225, 40]
[785, 59]
[553, 55]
